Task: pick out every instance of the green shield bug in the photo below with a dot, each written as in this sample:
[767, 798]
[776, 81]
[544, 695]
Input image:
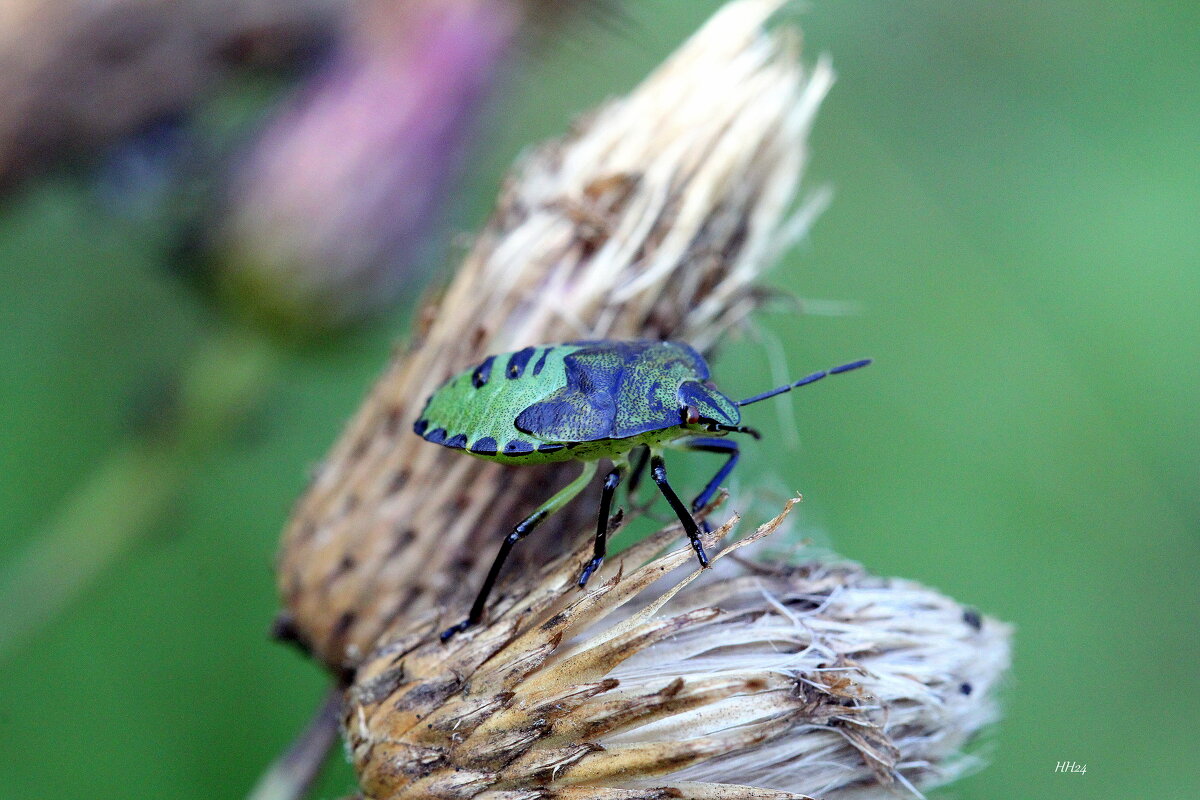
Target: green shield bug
[584, 401]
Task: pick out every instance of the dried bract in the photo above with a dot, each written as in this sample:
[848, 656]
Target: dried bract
[795, 679]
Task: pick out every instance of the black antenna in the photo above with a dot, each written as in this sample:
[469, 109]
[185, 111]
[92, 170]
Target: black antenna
[816, 376]
[735, 429]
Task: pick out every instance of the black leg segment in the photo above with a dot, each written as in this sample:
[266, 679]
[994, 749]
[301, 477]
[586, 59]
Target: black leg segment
[725, 446]
[519, 532]
[658, 471]
[560, 499]
[611, 481]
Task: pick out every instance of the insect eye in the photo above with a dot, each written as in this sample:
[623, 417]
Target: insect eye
[691, 415]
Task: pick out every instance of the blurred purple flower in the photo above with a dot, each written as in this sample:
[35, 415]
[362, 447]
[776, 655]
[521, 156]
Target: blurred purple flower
[334, 212]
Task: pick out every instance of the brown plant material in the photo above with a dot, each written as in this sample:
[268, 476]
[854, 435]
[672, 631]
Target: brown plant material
[751, 680]
[652, 219]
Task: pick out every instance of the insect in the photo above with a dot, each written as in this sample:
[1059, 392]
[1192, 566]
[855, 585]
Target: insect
[584, 401]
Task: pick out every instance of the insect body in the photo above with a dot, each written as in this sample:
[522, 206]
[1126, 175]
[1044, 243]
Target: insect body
[586, 401]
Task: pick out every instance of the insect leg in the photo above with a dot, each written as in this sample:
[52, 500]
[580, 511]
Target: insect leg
[726, 446]
[658, 471]
[611, 481]
[522, 530]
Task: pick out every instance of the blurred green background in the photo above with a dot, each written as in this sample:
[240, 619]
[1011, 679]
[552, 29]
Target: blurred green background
[1017, 223]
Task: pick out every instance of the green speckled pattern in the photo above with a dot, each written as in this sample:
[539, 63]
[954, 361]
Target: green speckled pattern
[489, 411]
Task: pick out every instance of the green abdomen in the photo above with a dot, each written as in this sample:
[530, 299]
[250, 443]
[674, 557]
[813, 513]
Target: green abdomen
[474, 411]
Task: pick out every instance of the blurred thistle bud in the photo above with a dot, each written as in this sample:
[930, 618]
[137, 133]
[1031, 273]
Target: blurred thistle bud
[333, 213]
[751, 680]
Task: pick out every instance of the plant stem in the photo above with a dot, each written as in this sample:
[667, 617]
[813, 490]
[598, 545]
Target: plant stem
[292, 774]
[134, 486]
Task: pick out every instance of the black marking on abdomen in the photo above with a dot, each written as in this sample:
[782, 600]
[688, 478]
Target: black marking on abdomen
[437, 435]
[541, 362]
[419, 427]
[516, 447]
[550, 448]
[485, 446]
[481, 374]
[458, 441]
[516, 364]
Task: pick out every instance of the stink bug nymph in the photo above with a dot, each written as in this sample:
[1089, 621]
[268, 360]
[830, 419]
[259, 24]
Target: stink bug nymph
[584, 401]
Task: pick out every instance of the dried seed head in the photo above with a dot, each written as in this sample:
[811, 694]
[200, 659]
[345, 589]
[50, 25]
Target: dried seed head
[651, 220]
[799, 680]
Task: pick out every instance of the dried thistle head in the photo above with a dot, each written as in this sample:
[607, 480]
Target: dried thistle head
[652, 219]
[752, 680]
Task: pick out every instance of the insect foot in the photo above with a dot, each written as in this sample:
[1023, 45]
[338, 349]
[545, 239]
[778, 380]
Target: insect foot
[597, 561]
